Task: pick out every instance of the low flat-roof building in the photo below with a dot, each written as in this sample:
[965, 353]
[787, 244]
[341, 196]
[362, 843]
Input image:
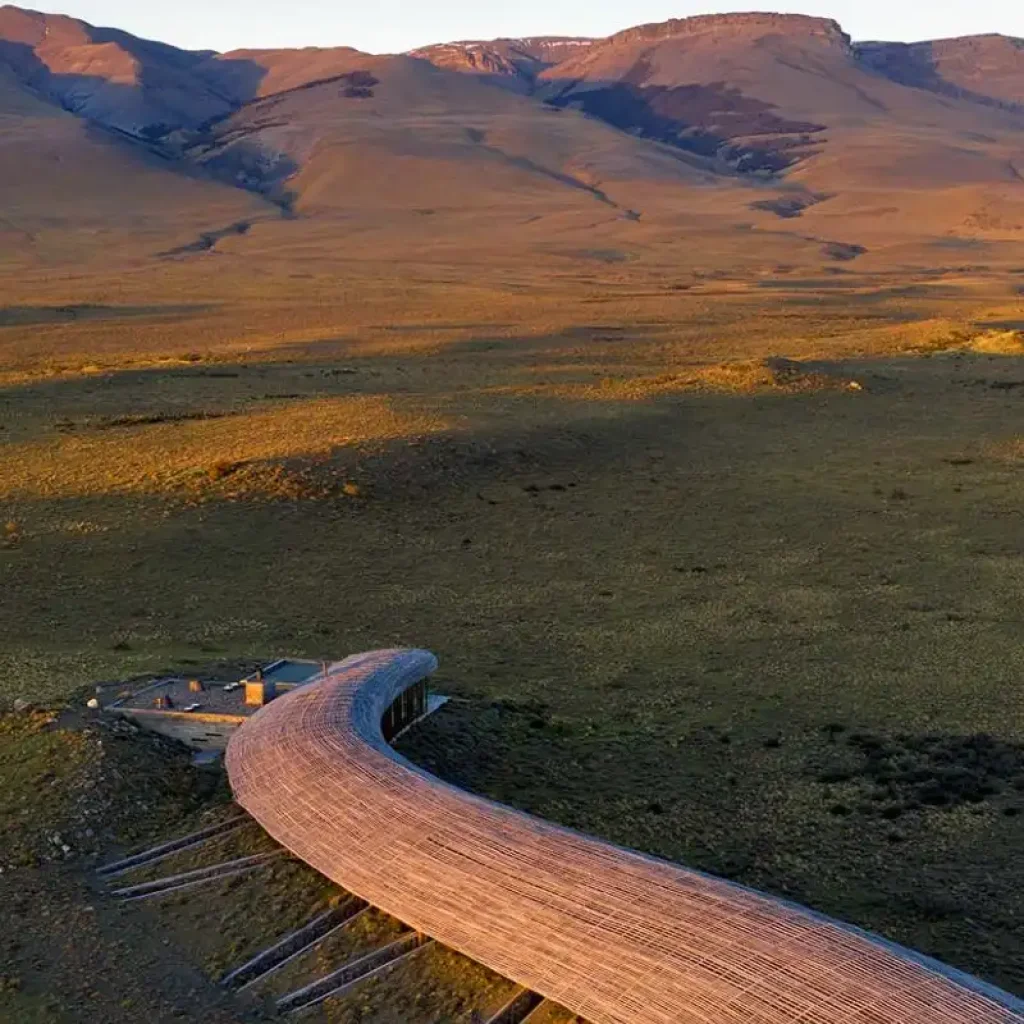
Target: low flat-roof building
[204, 713]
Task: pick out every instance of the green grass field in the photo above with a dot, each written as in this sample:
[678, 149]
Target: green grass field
[765, 625]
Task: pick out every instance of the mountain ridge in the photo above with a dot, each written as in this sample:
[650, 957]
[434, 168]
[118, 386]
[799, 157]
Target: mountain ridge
[748, 116]
[676, 27]
[148, 89]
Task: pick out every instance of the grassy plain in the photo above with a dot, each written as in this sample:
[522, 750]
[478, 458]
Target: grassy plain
[750, 618]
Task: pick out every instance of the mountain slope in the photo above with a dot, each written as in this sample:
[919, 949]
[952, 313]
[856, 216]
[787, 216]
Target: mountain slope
[142, 88]
[790, 97]
[983, 69]
[399, 132]
[742, 124]
[246, 75]
[761, 92]
[132, 85]
[71, 194]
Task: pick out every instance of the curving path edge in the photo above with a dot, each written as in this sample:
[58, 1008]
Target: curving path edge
[613, 935]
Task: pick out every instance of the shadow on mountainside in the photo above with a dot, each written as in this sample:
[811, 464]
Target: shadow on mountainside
[175, 90]
[916, 65]
[714, 120]
[165, 113]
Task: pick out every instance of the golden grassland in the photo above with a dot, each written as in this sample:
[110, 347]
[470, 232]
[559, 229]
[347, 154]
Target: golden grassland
[759, 514]
[136, 455]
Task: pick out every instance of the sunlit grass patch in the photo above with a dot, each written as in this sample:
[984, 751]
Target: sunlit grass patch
[999, 343]
[195, 454]
[747, 376]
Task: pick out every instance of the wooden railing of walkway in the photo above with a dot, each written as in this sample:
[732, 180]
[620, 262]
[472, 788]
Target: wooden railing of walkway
[612, 935]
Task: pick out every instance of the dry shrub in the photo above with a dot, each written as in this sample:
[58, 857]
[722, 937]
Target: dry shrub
[958, 339]
[1011, 451]
[220, 469]
[772, 374]
[271, 482]
[741, 377]
[998, 343]
[11, 535]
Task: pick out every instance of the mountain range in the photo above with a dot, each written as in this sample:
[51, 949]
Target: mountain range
[745, 122]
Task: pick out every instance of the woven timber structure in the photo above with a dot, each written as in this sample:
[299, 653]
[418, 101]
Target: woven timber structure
[612, 935]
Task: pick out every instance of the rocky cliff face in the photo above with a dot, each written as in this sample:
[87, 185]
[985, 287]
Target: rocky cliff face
[755, 24]
[514, 63]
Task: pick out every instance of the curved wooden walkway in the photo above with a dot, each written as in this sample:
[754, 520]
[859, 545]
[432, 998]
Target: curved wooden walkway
[612, 935]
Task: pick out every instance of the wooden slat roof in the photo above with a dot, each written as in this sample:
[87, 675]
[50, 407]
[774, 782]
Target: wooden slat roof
[614, 936]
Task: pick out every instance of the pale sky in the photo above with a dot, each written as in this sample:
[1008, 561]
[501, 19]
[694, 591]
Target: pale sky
[389, 26]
